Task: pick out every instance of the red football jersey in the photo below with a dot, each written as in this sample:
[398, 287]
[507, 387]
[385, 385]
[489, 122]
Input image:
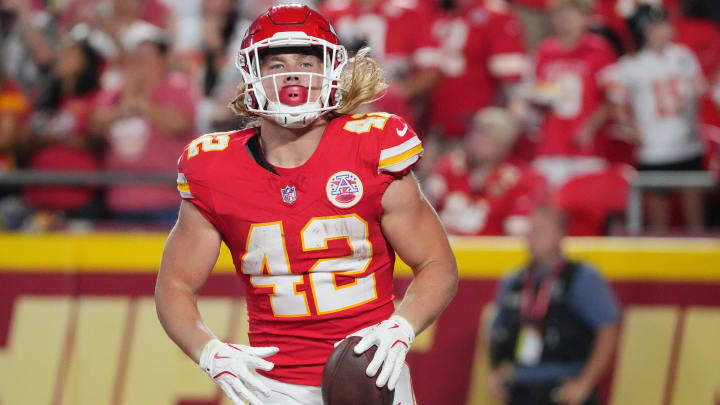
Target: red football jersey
[483, 46]
[306, 242]
[486, 206]
[575, 78]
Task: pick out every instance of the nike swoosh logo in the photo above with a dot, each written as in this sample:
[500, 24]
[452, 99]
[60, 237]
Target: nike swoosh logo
[218, 356]
[402, 132]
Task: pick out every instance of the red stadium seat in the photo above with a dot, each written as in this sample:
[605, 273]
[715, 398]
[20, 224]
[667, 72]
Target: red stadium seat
[590, 200]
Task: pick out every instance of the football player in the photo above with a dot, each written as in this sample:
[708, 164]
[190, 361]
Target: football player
[313, 203]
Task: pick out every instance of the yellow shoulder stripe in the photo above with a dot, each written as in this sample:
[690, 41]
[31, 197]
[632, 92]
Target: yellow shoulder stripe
[417, 149]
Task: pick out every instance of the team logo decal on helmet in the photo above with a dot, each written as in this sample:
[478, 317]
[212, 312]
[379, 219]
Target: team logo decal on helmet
[344, 189]
[291, 26]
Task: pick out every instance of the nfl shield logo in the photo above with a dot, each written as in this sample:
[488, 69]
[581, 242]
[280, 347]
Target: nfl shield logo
[288, 195]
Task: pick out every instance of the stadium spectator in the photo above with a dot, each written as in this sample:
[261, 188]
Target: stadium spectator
[60, 138]
[116, 15]
[223, 29]
[535, 20]
[475, 190]
[556, 324]
[661, 84]
[220, 25]
[569, 81]
[112, 19]
[607, 18]
[483, 56]
[26, 48]
[147, 122]
[409, 56]
[14, 108]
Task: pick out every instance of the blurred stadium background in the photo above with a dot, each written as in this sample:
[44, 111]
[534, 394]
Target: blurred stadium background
[98, 98]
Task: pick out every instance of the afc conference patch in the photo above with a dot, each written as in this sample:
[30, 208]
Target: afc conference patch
[288, 194]
[344, 189]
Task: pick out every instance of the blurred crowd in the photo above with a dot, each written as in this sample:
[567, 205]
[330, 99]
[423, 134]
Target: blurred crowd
[518, 102]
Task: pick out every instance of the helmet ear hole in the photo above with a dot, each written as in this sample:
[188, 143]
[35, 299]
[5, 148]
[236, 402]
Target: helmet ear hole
[240, 61]
[250, 99]
[336, 96]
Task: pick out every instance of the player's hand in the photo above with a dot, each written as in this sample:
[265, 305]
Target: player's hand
[230, 366]
[572, 392]
[393, 338]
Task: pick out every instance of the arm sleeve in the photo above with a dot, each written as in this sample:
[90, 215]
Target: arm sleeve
[593, 300]
[194, 186]
[399, 147]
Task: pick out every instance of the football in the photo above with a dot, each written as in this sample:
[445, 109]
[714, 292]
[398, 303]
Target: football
[344, 381]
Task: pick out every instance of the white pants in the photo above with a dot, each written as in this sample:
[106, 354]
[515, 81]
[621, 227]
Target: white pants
[293, 394]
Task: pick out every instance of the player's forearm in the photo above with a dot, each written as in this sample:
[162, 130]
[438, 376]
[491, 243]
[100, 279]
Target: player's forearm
[178, 313]
[601, 354]
[432, 289]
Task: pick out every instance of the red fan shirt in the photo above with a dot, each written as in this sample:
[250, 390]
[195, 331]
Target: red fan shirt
[574, 82]
[482, 47]
[497, 205]
[61, 132]
[306, 242]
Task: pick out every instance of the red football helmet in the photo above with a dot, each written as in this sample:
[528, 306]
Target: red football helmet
[291, 26]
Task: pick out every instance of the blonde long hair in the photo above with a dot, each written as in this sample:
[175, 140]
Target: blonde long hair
[362, 82]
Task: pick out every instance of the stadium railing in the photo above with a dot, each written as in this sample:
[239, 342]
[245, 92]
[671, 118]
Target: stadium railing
[660, 180]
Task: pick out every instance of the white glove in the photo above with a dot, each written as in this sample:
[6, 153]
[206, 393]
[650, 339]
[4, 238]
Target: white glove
[230, 365]
[393, 338]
